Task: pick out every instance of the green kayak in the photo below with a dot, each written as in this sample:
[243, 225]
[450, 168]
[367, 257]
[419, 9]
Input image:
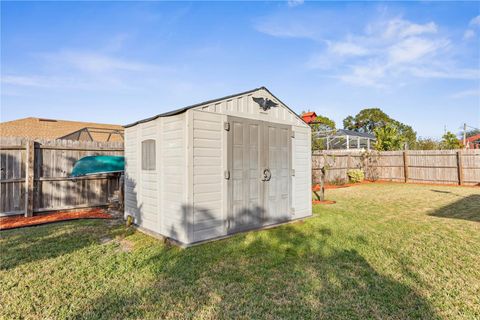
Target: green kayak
[98, 165]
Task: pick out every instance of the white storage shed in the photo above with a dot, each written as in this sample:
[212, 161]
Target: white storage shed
[218, 167]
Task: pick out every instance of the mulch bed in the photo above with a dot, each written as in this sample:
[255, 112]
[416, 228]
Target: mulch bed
[336, 186]
[331, 186]
[21, 221]
[323, 202]
[346, 185]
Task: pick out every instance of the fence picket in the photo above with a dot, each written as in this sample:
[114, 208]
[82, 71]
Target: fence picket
[423, 166]
[53, 159]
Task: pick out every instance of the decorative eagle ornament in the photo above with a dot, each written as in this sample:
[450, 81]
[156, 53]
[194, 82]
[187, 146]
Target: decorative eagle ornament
[265, 103]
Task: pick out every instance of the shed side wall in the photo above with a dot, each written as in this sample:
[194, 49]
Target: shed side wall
[302, 182]
[208, 181]
[175, 210]
[147, 182]
[131, 171]
[157, 198]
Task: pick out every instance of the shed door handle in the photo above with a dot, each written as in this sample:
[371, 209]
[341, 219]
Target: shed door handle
[267, 175]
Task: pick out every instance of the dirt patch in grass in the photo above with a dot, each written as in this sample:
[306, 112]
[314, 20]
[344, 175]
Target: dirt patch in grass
[21, 221]
[125, 245]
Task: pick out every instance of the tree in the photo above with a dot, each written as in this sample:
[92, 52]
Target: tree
[388, 138]
[367, 120]
[450, 141]
[324, 167]
[427, 144]
[321, 124]
[408, 134]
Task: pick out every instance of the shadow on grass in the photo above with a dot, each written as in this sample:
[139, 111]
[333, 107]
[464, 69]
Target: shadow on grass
[467, 208]
[279, 273]
[441, 191]
[48, 241]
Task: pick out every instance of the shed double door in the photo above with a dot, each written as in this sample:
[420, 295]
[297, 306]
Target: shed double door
[259, 172]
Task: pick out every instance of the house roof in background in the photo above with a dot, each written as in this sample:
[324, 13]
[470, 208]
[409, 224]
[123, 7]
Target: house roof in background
[39, 128]
[473, 138]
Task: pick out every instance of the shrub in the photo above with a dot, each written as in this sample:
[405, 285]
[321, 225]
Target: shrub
[355, 175]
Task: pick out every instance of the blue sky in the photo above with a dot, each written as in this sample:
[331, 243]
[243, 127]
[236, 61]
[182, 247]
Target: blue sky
[117, 62]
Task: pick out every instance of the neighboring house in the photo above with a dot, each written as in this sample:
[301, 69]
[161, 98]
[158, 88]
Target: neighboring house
[39, 128]
[472, 142]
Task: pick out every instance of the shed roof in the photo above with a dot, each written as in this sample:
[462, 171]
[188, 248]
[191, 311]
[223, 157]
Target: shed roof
[181, 110]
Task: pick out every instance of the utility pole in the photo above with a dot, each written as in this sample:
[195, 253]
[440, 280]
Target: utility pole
[465, 136]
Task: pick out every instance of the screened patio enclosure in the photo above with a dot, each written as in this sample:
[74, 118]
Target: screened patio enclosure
[345, 139]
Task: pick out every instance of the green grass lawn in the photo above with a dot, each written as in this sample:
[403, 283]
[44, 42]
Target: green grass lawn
[384, 251]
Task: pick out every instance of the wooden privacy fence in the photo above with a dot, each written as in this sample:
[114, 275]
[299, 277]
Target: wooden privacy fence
[422, 166]
[35, 175]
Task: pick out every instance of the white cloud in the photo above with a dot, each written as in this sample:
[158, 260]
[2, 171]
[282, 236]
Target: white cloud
[377, 55]
[74, 69]
[475, 21]
[389, 52]
[294, 3]
[117, 42]
[445, 73]
[29, 81]
[398, 28]
[289, 29]
[413, 48]
[347, 49]
[301, 24]
[46, 81]
[468, 34]
[321, 61]
[466, 93]
[369, 75]
[93, 62]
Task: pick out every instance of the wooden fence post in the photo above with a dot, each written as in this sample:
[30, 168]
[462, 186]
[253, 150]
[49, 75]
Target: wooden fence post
[405, 166]
[29, 176]
[460, 167]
